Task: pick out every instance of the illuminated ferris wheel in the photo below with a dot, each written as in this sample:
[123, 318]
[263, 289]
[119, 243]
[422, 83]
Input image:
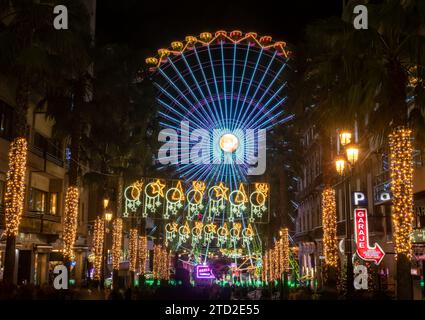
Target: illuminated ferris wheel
[220, 93]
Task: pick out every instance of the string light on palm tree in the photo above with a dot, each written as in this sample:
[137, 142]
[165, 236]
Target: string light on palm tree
[98, 237]
[143, 254]
[116, 243]
[15, 185]
[70, 222]
[330, 245]
[401, 168]
[132, 249]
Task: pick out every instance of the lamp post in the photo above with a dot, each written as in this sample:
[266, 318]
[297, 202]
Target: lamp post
[342, 162]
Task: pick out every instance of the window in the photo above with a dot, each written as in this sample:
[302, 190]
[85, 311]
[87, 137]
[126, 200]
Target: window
[53, 203]
[37, 200]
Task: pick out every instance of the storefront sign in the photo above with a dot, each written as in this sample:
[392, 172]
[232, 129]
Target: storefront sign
[359, 199]
[364, 250]
[204, 272]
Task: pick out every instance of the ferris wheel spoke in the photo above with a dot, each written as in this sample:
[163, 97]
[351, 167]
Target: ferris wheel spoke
[209, 111]
[248, 89]
[247, 108]
[192, 93]
[216, 86]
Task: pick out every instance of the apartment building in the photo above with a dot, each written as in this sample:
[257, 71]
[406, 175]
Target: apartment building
[370, 176]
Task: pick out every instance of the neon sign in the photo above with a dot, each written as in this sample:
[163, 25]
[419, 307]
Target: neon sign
[204, 272]
[364, 250]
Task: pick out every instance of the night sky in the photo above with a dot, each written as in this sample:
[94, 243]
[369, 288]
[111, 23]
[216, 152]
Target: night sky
[153, 24]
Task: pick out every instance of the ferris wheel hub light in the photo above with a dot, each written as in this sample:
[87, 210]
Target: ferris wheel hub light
[229, 142]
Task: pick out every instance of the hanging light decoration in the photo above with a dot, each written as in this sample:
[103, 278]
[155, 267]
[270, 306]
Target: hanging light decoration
[98, 237]
[132, 248]
[329, 227]
[116, 243]
[401, 169]
[15, 185]
[70, 222]
[143, 254]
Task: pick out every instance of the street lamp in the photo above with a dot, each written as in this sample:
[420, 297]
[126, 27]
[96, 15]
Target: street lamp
[345, 137]
[352, 151]
[108, 216]
[340, 165]
[352, 156]
[105, 203]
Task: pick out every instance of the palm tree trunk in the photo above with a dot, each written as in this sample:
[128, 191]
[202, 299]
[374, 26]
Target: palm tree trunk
[22, 94]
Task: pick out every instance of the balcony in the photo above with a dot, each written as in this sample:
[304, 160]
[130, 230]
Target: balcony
[47, 149]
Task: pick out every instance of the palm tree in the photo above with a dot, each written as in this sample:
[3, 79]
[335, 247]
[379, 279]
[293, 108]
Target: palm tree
[377, 74]
[31, 52]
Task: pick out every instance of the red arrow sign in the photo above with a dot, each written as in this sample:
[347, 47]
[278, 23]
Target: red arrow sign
[365, 252]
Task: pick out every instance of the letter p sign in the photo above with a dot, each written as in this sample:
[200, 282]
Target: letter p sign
[359, 198]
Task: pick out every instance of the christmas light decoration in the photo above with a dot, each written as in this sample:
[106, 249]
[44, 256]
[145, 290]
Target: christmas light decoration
[15, 185]
[116, 243]
[270, 264]
[217, 196]
[184, 233]
[258, 200]
[154, 192]
[98, 238]
[132, 249]
[222, 234]
[247, 235]
[194, 199]
[143, 254]
[237, 200]
[284, 251]
[133, 194]
[70, 222]
[330, 245]
[161, 263]
[171, 230]
[197, 233]
[401, 170]
[265, 269]
[174, 200]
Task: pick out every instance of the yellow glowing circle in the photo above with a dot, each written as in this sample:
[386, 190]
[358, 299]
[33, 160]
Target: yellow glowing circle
[229, 142]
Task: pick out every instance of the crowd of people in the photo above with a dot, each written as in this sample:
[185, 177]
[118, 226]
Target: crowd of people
[166, 291]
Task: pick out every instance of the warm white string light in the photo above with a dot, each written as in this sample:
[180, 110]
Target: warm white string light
[70, 222]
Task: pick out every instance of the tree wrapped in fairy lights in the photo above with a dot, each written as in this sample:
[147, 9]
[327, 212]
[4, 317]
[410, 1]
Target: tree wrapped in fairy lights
[330, 244]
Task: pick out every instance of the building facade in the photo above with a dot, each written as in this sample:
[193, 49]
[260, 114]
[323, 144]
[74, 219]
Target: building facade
[39, 242]
[369, 176]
